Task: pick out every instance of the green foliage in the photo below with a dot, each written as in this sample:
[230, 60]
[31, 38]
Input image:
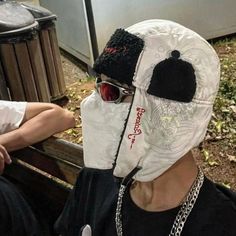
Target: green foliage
[223, 122]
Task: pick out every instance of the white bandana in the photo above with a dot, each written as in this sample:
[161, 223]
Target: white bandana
[102, 124]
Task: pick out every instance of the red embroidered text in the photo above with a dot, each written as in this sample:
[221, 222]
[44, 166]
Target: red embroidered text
[113, 50]
[137, 129]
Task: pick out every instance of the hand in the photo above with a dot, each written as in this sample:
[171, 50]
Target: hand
[4, 158]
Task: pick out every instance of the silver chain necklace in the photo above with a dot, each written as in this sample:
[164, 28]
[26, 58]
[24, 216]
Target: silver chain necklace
[182, 215]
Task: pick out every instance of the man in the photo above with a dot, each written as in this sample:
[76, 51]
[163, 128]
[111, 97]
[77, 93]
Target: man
[152, 104]
[21, 125]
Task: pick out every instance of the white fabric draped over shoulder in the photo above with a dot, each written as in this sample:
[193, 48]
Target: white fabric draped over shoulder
[11, 115]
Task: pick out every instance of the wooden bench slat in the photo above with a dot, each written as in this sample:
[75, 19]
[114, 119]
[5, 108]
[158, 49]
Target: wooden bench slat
[46, 173]
[64, 170]
[62, 149]
[39, 182]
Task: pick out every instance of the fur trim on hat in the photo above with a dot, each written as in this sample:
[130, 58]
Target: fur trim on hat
[119, 58]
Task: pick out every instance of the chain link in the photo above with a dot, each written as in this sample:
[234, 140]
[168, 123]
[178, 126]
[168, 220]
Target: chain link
[118, 210]
[182, 215]
[187, 206]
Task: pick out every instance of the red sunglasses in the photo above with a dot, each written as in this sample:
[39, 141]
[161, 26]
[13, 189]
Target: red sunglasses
[110, 92]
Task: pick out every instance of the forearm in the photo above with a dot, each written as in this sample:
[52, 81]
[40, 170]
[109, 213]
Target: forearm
[12, 141]
[25, 136]
[39, 127]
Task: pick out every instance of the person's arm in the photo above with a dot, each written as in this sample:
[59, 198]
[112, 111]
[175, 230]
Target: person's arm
[4, 158]
[41, 120]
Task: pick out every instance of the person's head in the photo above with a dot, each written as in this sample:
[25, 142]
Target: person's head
[175, 75]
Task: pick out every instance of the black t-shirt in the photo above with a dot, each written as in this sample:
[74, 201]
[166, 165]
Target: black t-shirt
[93, 201]
[137, 221]
[16, 216]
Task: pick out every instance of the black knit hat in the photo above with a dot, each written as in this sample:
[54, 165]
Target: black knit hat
[118, 59]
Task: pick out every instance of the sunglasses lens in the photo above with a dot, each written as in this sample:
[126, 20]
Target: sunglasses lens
[109, 92]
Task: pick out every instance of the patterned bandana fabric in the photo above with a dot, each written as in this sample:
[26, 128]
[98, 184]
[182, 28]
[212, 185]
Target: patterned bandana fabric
[102, 125]
[176, 77]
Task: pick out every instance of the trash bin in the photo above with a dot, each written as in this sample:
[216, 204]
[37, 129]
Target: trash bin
[4, 95]
[20, 54]
[50, 49]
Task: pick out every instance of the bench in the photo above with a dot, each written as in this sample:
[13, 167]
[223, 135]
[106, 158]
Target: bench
[46, 173]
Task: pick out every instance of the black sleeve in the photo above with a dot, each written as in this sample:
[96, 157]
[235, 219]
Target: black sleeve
[89, 202]
[16, 215]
